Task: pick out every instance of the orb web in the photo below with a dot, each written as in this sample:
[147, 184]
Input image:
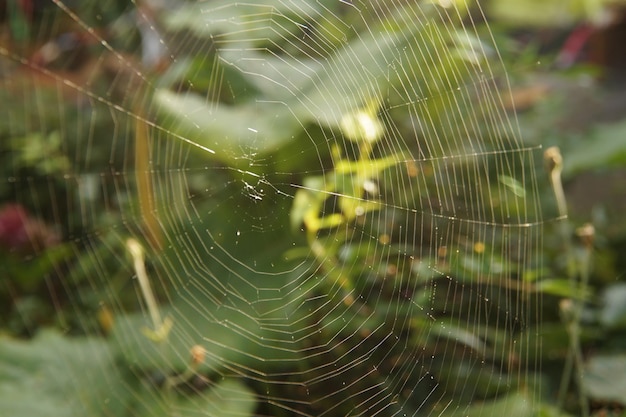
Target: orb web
[281, 207]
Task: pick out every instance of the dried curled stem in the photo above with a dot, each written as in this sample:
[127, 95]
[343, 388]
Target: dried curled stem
[161, 327]
[554, 164]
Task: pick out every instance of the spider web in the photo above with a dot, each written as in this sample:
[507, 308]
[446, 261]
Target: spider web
[331, 202]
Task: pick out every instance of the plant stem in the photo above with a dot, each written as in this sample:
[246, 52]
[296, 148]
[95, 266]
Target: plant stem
[572, 310]
[136, 252]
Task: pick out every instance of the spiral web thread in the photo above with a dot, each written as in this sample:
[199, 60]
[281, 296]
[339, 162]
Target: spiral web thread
[198, 146]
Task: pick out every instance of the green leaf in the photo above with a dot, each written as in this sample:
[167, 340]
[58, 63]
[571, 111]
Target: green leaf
[613, 312]
[518, 404]
[467, 379]
[228, 398]
[605, 147]
[447, 329]
[548, 13]
[308, 201]
[57, 376]
[226, 131]
[512, 184]
[605, 378]
[563, 288]
[246, 24]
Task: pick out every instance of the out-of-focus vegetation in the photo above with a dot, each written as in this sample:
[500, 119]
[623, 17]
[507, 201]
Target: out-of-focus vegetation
[64, 154]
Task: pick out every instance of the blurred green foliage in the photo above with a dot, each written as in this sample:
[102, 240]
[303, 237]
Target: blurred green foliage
[79, 169]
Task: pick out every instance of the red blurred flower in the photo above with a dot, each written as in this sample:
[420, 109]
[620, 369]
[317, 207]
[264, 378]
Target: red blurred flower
[21, 233]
